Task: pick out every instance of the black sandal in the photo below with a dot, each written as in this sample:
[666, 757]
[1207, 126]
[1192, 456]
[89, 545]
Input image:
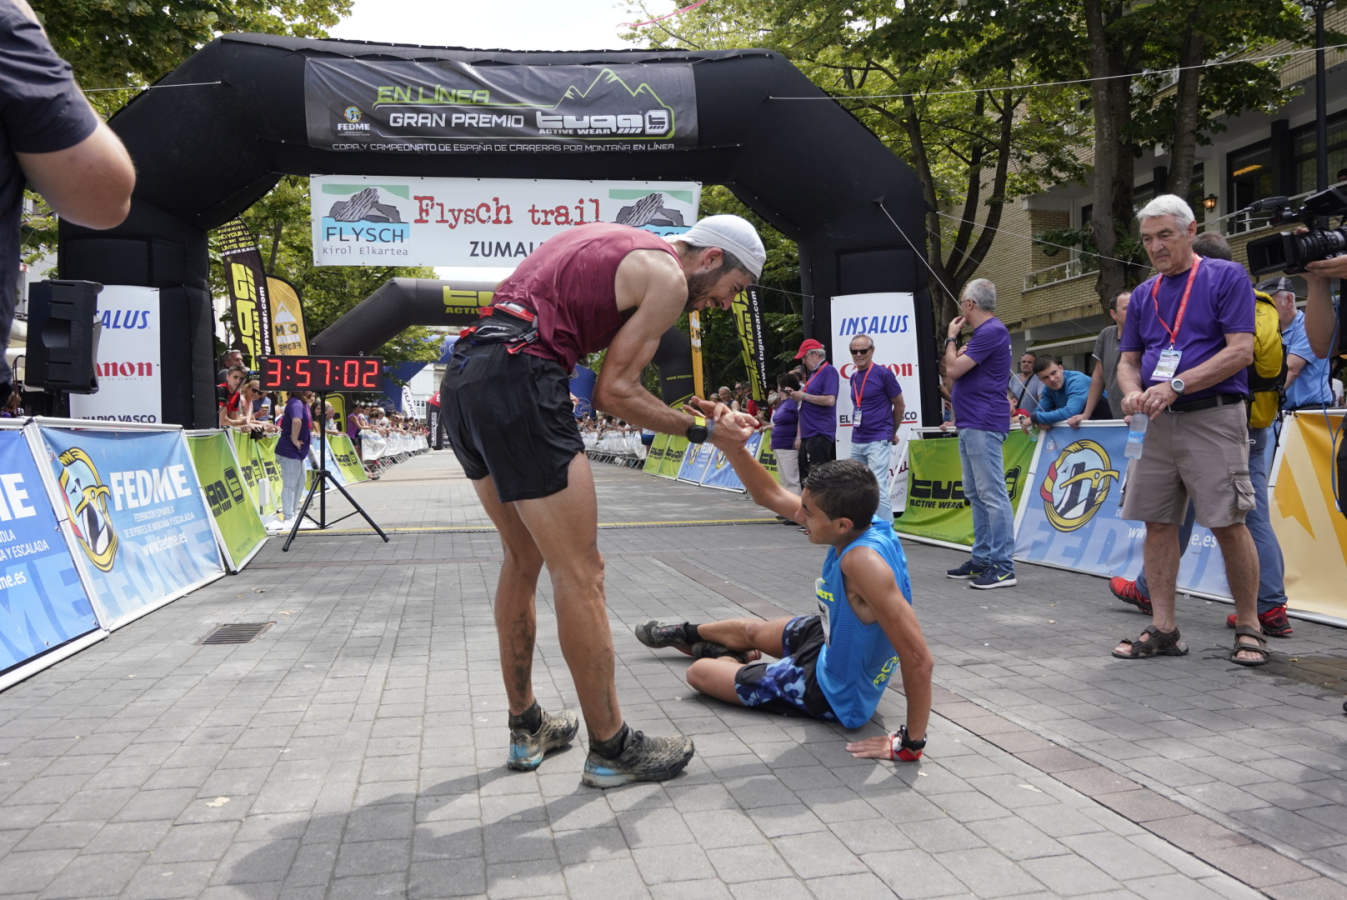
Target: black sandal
[1264, 656]
[1159, 643]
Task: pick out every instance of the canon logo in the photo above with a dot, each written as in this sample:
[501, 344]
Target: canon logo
[125, 369]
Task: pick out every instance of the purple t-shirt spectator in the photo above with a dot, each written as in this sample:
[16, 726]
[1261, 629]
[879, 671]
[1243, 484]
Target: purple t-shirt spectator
[980, 395]
[785, 421]
[1221, 303]
[872, 392]
[815, 419]
[295, 408]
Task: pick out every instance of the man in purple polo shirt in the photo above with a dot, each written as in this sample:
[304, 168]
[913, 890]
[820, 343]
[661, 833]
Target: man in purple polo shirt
[1186, 343]
[980, 372]
[818, 400]
[877, 411]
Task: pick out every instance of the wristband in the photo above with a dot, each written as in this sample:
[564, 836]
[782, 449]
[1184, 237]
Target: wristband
[901, 748]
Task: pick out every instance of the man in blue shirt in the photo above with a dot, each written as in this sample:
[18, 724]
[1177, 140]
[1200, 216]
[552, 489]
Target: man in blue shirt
[1306, 372]
[1064, 393]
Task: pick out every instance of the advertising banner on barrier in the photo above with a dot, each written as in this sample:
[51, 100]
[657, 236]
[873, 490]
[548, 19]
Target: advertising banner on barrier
[673, 456]
[139, 517]
[42, 602]
[890, 321]
[231, 503]
[654, 457]
[390, 220]
[696, 460]
[936, 508]
[257, 457]
[720, 474]
[346, 459]
[447, 106]
[766, 457]
[1071, 515]
[1305, 515]
[128, 358]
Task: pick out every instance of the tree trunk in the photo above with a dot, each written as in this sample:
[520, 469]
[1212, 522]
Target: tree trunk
[1114, 163]
[1183, 144]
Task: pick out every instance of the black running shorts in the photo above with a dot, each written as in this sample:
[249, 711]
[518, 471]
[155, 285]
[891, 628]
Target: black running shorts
[510, 416]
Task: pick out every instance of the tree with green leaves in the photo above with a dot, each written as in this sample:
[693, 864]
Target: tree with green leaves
[935, 80]
[1150, 88]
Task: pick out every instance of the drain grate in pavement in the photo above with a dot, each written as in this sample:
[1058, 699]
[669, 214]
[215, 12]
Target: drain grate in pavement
[236, 633]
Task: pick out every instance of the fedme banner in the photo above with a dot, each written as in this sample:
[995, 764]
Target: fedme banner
[444, 106]
[141, 525]
[390, 220]
[42, 602]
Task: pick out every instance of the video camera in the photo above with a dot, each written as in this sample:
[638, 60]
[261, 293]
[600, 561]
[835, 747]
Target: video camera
[1289, 251]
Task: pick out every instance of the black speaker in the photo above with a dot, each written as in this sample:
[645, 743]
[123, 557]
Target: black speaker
[60, 353]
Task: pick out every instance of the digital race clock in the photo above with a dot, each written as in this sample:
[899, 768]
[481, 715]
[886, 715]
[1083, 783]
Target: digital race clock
[321, 373]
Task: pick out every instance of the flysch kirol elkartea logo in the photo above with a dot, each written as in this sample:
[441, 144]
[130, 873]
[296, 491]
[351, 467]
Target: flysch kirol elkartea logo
[365, 216]
[602, 108]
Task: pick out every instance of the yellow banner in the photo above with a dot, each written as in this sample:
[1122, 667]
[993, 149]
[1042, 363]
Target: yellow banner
[1311, 530]
[287, 319]
[695, 332]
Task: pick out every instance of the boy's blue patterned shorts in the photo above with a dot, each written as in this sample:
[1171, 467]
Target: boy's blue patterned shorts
[788, 686]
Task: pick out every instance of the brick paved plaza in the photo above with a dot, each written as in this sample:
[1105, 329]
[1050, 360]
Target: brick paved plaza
[355, 749]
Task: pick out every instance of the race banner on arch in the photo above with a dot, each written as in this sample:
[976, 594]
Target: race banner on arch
[445, 106]
[362, 220]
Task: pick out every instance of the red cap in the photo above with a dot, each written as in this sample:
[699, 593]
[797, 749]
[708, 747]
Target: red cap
[807, 345]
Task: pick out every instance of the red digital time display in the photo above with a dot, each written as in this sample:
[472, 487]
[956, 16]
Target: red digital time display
[321, 373]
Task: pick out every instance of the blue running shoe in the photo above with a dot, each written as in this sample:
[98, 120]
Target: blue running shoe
[643, 759]
[993, 578]
[527, 750]
[967, 570]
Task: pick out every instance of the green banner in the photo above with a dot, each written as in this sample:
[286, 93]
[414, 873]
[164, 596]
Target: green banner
[673, 456]
[344, 455]
[231, 503]
[766, 456]
[257, 457]
[936, 507]
[654, 457]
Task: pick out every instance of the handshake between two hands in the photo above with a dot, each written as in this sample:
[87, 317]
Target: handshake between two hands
[731, 428]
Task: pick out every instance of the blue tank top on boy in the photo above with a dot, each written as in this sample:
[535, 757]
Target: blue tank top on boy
[857, 661]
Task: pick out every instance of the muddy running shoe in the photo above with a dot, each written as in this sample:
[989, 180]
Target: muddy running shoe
[712, 650]
[653, 634]
[967, 570]
[1128, 592]
[644, 759]
[527, 750]
[1274, 622]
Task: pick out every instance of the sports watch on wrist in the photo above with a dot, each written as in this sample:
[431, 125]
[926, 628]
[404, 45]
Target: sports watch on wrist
[698, 434]
[1176, 385]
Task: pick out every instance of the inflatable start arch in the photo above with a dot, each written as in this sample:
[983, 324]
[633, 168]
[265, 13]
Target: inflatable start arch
[250, 108]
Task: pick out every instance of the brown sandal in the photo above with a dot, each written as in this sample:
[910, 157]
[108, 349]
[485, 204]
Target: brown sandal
[1153, 642]
[1264, 656]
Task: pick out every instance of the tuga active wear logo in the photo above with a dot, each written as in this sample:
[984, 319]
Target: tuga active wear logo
[1077, 484]
[86, 500]
[364, 219]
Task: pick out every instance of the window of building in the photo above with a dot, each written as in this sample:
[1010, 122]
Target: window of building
[1251, 176]
[1304, 148]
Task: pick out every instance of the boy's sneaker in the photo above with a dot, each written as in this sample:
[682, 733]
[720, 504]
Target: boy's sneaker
[527, 750]
[967, 570]
[1274, 622]
[993, 578]
[1128, 592]
[653, 634]
[643, 759]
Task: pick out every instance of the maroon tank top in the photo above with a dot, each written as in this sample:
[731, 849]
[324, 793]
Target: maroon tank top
[568, 282]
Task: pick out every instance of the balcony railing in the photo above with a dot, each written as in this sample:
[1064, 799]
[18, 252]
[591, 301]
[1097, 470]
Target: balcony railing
[1077, 265]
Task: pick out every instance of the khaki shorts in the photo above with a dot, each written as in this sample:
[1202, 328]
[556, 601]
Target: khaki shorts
[1202, 455]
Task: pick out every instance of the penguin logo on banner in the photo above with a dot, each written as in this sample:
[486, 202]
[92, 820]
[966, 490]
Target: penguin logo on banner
[86, 500]
[1077, 485]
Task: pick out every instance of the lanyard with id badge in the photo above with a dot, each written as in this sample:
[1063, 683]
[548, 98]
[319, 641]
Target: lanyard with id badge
[1167, 366]
[856, 400]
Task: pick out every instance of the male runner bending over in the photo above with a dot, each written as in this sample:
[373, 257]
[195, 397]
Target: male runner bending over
[834, 665]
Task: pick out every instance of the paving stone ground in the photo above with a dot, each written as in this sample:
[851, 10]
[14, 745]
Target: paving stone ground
[355, 748]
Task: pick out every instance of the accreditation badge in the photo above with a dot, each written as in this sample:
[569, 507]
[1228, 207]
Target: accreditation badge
[1168, 365]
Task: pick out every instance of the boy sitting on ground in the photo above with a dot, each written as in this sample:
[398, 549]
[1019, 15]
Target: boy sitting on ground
[834, 665]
